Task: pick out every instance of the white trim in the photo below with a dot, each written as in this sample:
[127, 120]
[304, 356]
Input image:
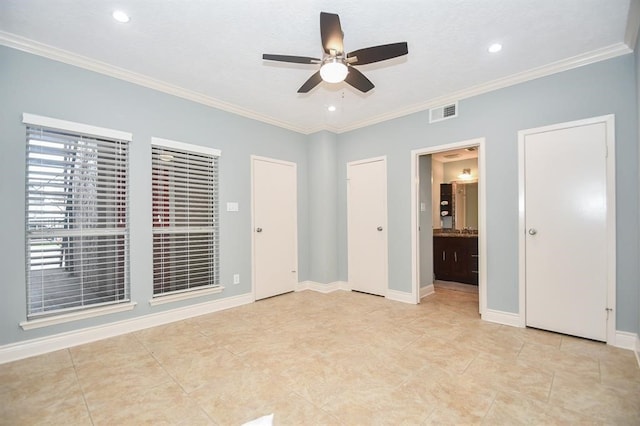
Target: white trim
[67, 57]
[609, 121]
[181, 146]
[85, 129]
[253, 159]
[482, 217]
[625, 340]
[637, 349]
[385, 224]
[400, 296]
[587, 58]
[76, 316]
[323, 288]
[427, 290]
[28, 348]
[501, 317]
[185, 295]
[40, 49]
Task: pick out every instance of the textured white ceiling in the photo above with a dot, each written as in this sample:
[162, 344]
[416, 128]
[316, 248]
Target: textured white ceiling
[213, 49]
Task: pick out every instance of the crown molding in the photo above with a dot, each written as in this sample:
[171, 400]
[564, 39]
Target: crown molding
[60, 55]
[598, 55]
[64, 56]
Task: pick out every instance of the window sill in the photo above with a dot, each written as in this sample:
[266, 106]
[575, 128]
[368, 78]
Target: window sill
[75, 316]
[160, 300]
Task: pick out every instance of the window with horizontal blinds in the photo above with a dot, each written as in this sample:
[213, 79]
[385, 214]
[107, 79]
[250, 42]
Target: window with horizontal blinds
[77, 236]
[185, 217]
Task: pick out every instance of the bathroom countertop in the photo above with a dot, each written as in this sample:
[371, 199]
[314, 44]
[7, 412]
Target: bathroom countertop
[454, 234]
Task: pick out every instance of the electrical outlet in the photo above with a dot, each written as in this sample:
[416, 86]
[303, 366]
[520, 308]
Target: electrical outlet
[236, 278]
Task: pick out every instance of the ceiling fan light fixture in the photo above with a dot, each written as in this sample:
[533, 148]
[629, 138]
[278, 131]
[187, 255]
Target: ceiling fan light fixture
[333, 70]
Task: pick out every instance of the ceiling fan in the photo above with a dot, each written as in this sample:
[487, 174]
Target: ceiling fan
[336, 65]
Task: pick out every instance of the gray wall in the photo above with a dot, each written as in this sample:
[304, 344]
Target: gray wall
[606, 87]
[425, 221]
[40, 86]
[323, 210]
[36, 85]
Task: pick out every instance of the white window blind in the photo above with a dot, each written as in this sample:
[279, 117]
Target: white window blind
[185, 217]
[77, 237]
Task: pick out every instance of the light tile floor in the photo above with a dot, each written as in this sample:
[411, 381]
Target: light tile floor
[329, 359]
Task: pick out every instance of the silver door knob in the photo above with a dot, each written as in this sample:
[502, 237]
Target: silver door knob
[379, 228]
[532, 231]
[258, 229]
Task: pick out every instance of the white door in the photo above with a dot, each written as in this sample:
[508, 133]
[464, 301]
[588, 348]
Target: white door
[275, 241]
[565, 231]
[367, 225]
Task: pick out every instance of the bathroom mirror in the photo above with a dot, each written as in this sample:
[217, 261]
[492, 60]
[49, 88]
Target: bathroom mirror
[465, 207]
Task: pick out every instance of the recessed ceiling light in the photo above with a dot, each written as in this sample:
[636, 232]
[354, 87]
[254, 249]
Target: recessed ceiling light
[495, 48]
[331, 108]
[120, 16]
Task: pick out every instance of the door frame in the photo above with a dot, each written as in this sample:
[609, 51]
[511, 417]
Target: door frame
[385, 224]
[253, 159]
[609, 121]
[482, 216]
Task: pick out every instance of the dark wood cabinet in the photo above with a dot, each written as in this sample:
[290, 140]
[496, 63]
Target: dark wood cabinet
[456, 259]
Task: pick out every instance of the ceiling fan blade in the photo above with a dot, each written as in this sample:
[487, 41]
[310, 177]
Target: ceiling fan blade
[292, 59]
[383, 52]
[312, 82]
[358, 80]
[331, 33]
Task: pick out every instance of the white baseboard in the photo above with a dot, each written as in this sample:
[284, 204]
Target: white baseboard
[28, 348]
[401, 296]
[426, 291]
[637, 350]
[626, 340]
[323, 288]
[501, 317]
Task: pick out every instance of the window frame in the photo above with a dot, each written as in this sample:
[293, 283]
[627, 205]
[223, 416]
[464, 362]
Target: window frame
[214, 155]
[102, 136]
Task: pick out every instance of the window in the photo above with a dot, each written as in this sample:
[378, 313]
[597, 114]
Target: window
[77, 236]
[185, 217]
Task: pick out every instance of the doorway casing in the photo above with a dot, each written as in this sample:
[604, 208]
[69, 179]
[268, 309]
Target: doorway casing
[482, 224]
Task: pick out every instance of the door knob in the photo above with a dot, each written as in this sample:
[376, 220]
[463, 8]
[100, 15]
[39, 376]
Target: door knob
[258, 229]
[532, 231]
[379, 228]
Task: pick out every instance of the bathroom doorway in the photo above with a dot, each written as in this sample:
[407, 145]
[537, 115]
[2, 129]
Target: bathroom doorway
[448, 219]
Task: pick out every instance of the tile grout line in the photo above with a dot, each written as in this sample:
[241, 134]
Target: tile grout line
[84, 398]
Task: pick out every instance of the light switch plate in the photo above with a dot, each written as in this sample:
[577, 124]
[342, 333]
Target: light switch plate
[232, 206]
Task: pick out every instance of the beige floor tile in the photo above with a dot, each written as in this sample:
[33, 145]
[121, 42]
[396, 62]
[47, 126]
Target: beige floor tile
[598, 401]
[559, 361]
[101, 382]
[295, 410]
[451, 356]
[163, 404]
[239, 395]
[193, 368]
[339, 358]
[115, 350]
[13, 373]
[516, 409]
[516, 377]
[381, 405]
[49, 397]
